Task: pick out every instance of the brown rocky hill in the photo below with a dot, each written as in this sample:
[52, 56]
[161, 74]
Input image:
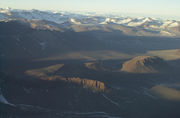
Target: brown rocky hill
[145, 64]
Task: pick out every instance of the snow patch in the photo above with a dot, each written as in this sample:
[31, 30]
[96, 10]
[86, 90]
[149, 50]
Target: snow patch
[109, 20]
[166, 33]
[74, 21]
[124, 21]
[166, 24]
[4, 101]
[175, 24]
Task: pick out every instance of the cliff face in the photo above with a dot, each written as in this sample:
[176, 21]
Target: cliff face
[145, 64]
[94, 85]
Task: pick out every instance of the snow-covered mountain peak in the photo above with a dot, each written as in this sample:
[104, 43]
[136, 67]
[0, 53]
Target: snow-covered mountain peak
[68, 18]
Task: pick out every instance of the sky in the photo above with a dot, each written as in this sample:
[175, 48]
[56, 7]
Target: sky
[158, 8]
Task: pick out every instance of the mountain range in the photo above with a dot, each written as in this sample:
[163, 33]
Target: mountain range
[140, 26]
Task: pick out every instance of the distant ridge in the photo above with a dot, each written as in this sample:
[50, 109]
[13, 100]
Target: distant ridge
[80, 22]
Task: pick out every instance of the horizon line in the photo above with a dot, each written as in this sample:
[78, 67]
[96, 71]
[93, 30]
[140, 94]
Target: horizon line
[113, 13]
